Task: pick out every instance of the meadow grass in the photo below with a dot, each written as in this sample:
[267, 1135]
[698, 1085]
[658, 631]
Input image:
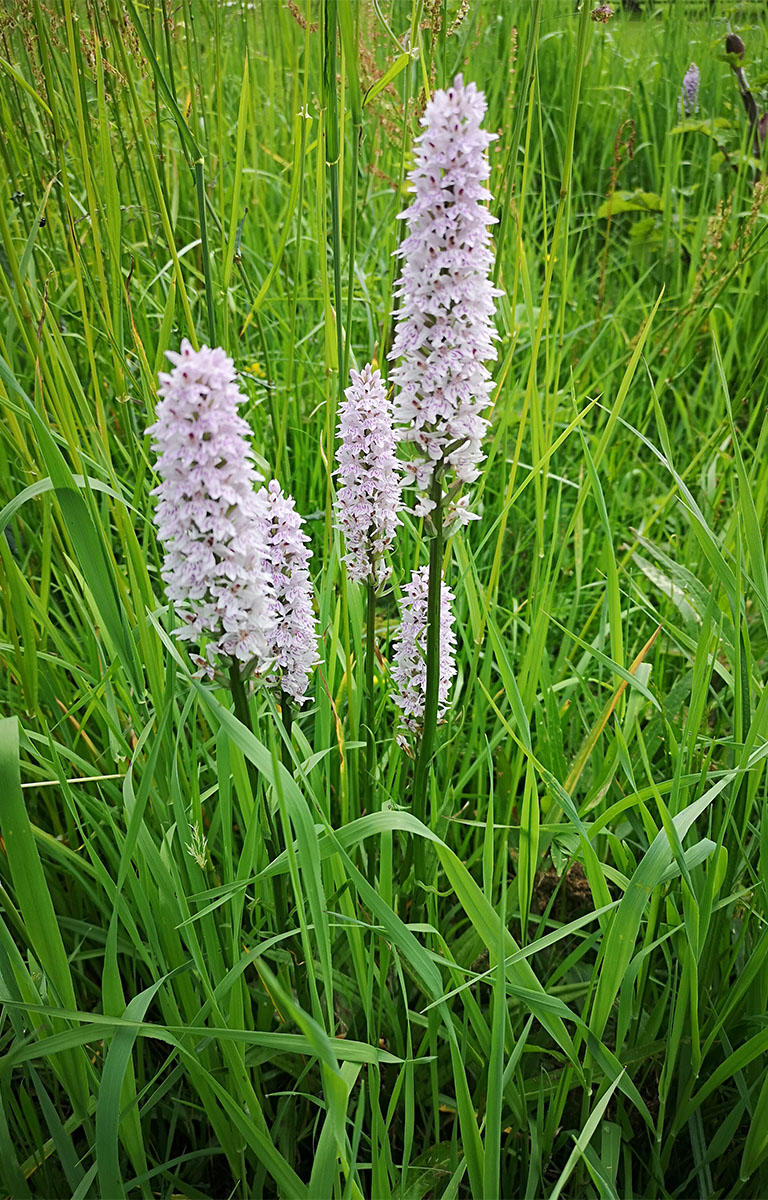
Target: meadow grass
[572, 1000]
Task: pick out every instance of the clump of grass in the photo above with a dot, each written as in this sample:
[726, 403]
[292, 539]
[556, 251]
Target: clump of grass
[575, 1002]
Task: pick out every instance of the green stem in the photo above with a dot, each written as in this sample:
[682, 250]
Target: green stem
[526, 77]
[200, 189]
[426, 748]
[357, 137]
[333, 150]
[370, 657]
[287, 714]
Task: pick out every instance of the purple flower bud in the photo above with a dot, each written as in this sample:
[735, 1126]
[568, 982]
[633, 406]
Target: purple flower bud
[444, 329]
[369, 496]
[409, 670]
[207, 514]
[688, 102]
[602, 13]
[293, 646]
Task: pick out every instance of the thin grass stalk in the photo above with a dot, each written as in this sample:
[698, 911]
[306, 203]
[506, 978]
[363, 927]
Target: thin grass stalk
[367, 789]
[504, 209]
[286, 713]
[290, 368]
[161, 150]
[357, 136]
[564, 208]
[350, 786]
[427, 743]
[148, 159]
[333, 150]
[196, 118]
[204, 252]
[243, 714]
[348, 26]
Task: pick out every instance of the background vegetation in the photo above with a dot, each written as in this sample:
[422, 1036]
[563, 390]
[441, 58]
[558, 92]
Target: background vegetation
[578, 1001]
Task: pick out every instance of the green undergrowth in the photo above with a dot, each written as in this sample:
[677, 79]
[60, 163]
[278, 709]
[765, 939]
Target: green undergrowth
[576, 1004]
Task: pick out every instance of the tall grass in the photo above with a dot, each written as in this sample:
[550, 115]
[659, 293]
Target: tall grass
[576, 1003]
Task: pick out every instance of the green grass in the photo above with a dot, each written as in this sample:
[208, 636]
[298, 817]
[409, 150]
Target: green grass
[577, 1005]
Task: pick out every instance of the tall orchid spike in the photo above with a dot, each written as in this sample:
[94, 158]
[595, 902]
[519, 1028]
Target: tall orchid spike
[207, 513]
[688, 101]
[409, 670]
[444, 331]
[369, 496]
[293, 645]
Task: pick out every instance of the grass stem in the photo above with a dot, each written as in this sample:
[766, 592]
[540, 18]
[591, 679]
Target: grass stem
[243, 714]
[368, 787]
[427, 743]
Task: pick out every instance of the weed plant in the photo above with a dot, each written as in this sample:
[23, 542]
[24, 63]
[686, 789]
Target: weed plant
[576, 1003]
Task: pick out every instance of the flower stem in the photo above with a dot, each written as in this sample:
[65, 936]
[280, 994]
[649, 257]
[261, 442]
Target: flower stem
[287, 715]
[370, 740]
[426, 747]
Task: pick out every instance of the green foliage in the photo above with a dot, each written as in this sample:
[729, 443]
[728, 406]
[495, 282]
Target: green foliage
[575, 1002]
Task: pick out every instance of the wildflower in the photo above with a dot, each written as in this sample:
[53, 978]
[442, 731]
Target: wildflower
[293, 646]
[688, 101]
[444, 329]
[206, 513]
[409, 671]
[369, 497]
[602, 13]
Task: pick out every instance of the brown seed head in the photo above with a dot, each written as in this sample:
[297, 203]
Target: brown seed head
[734, 45]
